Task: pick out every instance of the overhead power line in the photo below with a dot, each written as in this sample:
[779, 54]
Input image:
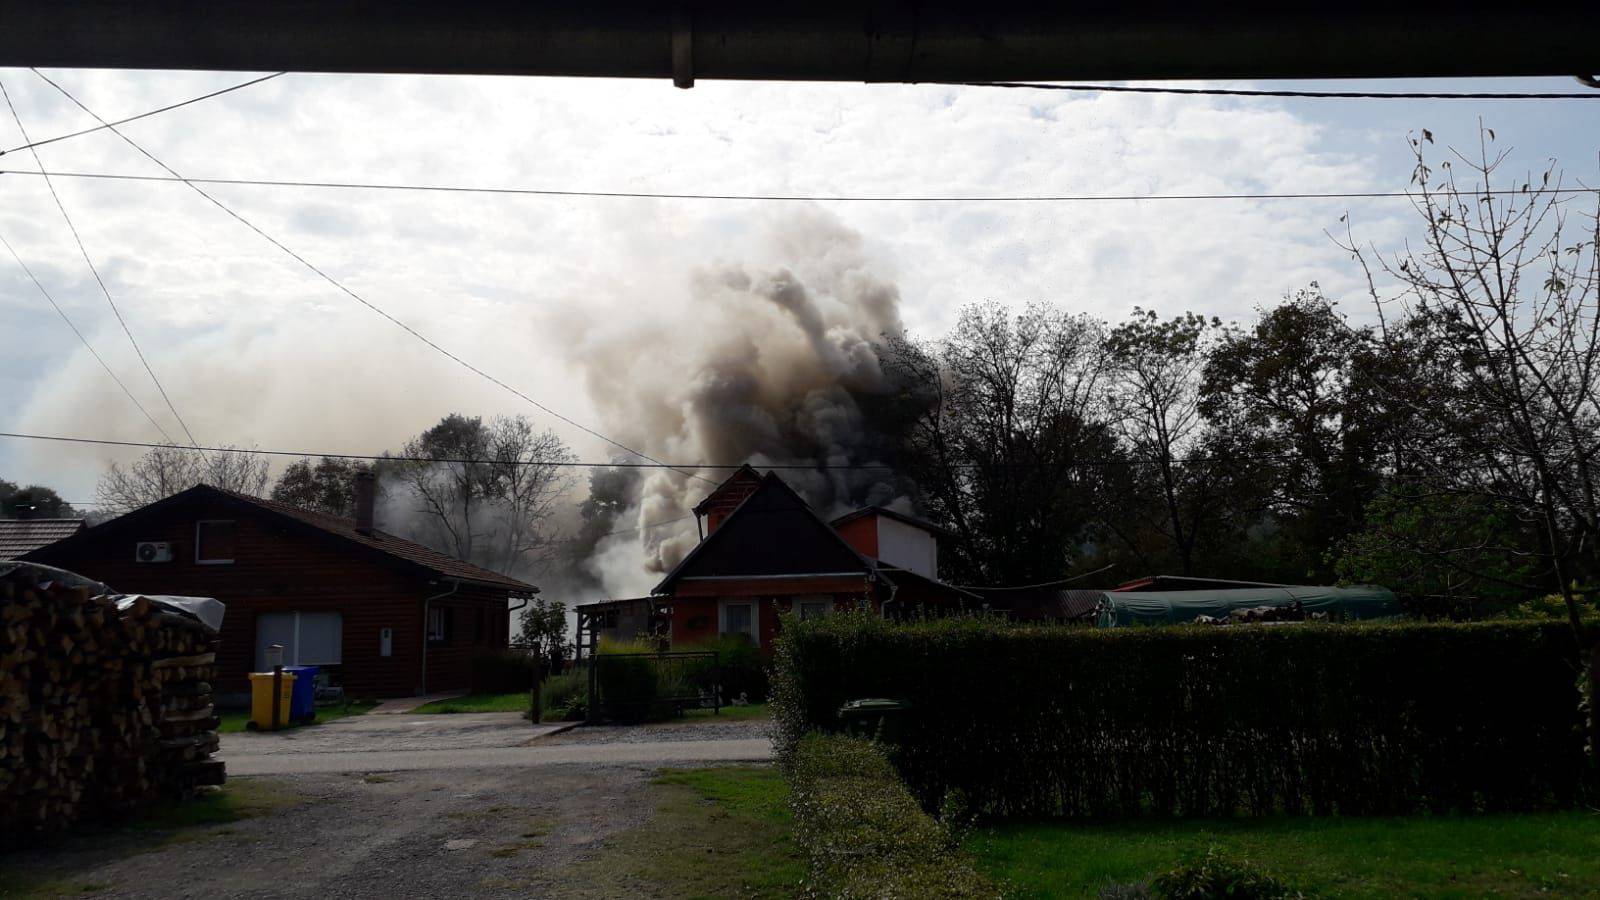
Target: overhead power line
[652, 464]
[144, 115]
[1276, 92]
[341, 286]
[85, 341]
[797, 198]
[95, 271]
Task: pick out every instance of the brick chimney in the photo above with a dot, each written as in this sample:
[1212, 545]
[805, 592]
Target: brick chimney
[366, 494]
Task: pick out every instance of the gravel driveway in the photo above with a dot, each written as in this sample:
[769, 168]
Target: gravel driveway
[471, 832]
[479, 740]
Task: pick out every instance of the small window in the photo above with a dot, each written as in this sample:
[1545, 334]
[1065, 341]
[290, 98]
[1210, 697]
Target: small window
[440, 624]
[214, 542]
[739, 617]
[813, 609]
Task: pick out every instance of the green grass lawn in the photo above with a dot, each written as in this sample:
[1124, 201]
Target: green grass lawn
[479, 703]
[234, 722]
[716, 832]
[1550, 854]
[732, 713]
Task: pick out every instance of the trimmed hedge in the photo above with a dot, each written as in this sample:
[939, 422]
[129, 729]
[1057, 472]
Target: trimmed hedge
[1013, 721]
[863, 834]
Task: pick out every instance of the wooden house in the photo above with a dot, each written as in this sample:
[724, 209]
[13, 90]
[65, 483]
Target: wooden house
[767, 552]
[384, 616]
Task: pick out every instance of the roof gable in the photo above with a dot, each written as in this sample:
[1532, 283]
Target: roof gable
[388, 547]
[744, 481]
[773, 532]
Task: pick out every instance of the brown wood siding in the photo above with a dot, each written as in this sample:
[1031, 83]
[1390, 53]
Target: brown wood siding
[694, 618]
[280, 568]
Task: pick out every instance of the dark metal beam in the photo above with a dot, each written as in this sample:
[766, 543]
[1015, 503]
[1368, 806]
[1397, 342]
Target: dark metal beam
[903, 41]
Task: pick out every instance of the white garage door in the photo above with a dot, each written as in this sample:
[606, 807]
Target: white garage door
[308, 638]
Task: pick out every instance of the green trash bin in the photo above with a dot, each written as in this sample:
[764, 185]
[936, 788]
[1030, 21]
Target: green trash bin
[875, 718]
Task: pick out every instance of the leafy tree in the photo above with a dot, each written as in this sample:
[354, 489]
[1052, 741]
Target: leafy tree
[164, 471]
[544, 628]
[1010, 406]
[33, 502]
[328, 485]
[1293, 395]
[1448, 554]
[1173, 490]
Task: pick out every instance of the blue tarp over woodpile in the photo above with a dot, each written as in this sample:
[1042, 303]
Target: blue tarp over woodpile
[1123, 608]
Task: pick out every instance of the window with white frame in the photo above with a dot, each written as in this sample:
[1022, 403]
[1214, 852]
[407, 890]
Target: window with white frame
[813, 606]
[441, 624]
[739, 617]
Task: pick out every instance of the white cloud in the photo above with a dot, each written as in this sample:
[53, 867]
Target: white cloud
[254, 349]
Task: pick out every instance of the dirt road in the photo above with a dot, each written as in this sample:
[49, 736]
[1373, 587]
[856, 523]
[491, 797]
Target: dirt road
[404, 806]
[478, 832]
[481, 740]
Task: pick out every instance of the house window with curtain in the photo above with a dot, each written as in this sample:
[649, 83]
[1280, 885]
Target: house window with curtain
[813, 606]
[739, 617]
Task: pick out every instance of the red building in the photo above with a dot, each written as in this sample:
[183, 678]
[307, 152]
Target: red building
[384, 616]
[766, 552]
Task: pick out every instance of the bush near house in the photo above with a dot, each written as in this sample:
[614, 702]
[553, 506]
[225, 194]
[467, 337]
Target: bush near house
[862, 833]
[1195, 721]
[565, 698]
[504, 671]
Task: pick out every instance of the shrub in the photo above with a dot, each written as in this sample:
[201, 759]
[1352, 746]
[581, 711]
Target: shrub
[862, 833]
[566, 697]
[626, 683]
[741, 669]
[1308, 718]
[1202, 876]
[503, 671]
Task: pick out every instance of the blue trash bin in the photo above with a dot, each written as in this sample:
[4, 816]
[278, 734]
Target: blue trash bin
[303, 702]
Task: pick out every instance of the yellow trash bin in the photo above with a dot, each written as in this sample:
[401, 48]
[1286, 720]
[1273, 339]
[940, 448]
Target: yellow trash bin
[261, 701]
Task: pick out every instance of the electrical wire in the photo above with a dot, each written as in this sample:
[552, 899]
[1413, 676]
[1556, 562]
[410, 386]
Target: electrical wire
[143, 115]
[98, 280]
[794, 198]
[85, 341]
[352, 294]
[652, 464]
[1314, 95]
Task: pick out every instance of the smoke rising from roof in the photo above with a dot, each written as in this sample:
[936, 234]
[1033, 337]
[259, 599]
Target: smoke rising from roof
[769, 363]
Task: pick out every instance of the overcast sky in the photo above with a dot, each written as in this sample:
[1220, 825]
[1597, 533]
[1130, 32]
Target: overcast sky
[255, 350]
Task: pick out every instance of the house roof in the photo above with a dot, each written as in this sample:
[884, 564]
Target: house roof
[773, 532]
[903, 577]
[1049, 602]
[19, 536]
[395, 548]
[596, 606]
[745, 474]
[888, 513]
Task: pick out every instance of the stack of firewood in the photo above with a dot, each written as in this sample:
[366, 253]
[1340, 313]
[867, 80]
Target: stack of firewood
[102, 708]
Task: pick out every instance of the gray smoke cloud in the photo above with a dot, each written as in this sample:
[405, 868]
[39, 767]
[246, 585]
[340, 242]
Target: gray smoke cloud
[773, 362]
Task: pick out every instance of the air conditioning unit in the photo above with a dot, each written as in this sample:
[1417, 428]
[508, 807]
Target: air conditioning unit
[152, 552]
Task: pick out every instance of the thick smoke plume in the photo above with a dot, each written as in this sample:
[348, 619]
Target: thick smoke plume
[771, 363]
